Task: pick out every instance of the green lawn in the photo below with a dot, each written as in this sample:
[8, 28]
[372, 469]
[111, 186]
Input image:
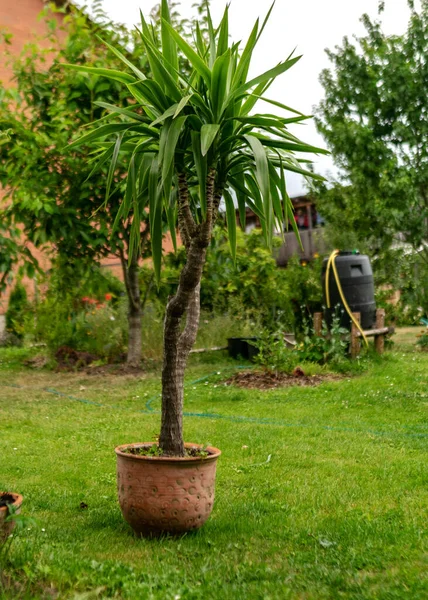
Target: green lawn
[321, 492]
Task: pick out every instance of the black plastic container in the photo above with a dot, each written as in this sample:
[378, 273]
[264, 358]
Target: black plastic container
[356, 279]
[242, 348]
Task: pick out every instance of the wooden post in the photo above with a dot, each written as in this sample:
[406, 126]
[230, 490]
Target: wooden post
[355, 340]
[318, 324]
[380, 339]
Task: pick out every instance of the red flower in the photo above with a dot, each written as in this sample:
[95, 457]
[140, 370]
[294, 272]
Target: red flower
[108, 297]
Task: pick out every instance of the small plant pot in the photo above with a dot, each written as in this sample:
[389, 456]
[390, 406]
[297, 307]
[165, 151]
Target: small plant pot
[165, 494]
[14, 500]
[242, 347]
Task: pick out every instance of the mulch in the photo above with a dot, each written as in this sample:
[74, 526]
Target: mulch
[265, 380]
[114, 369]
[69, 359]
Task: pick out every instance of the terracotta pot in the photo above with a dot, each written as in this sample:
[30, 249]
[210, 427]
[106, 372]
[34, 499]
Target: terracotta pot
[7, 528]
[165, 493]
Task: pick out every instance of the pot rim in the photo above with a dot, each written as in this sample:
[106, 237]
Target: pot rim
[17, 500]
[213, 454]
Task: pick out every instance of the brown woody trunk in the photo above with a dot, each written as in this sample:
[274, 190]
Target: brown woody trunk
[178, 340]
[134, 312]
[177, 345]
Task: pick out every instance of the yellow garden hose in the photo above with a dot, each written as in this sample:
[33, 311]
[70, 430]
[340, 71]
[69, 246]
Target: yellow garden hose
[331, 264]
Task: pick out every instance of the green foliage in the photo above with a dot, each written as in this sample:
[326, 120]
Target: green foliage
[273, 353]
[406, 273]
[328, 348]
[55, 196]
[200, 127]
[304, 287]
[88, 315]
[374, 120]
[51, 194]
[18, 305]
[422, 340]
[13, 251]
[248, 287]
[99, 329]
[253, 287]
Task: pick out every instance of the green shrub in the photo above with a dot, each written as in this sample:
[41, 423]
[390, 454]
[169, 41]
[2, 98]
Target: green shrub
[422, 340]
[329, 347]
[304, 288]
[87, 313]
[17, 309]
[253, 289]
[98, 328]
[273, 353]
[407, 273]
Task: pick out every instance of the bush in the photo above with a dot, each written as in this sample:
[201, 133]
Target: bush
[407, 273]
[87, 315]
[274, 355]
[304, 289]
[17, 309]
[422, 340]
[253, 289]
[329, 347]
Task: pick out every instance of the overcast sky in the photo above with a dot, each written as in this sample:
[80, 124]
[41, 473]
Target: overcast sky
[308, 25]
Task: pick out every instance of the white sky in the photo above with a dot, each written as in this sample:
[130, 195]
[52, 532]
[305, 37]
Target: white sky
[309, 25]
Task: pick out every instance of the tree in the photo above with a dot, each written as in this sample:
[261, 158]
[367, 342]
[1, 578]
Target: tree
[54, 196]
[374, 119]
[189, 143]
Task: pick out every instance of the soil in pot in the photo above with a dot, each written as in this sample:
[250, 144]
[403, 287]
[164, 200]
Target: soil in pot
[165, 494]
[8, 499]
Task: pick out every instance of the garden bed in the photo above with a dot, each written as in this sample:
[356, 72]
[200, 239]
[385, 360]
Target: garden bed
[265, 380]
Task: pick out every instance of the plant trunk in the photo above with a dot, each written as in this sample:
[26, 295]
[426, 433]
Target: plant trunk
[134, 312]
[177, 345]
[178, 340]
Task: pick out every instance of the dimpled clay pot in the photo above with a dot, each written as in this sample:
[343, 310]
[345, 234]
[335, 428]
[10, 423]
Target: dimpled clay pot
[165, 494]
[7, 528]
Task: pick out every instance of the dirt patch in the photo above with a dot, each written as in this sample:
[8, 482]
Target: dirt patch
[68, 358]
[264, 380]
[37, 362]
[114, 369]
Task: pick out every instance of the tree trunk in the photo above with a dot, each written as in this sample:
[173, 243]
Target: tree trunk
[179, 340]
[130, 273]
[177, 345]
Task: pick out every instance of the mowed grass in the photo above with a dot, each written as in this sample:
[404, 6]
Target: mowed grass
[321, 492]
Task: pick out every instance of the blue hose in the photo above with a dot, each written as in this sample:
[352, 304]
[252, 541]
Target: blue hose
[149, 410]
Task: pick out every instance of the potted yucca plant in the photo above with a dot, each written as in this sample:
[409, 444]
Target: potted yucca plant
[192, 140]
